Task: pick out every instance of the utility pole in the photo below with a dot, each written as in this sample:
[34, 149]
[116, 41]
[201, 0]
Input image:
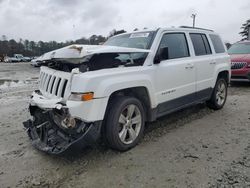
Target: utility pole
[193, 16]
[74, 27]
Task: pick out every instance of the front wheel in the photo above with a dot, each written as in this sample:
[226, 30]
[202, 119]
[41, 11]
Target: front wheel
[219, 95]
[125, 123]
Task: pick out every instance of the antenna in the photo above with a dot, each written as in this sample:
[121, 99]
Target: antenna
[74, 33]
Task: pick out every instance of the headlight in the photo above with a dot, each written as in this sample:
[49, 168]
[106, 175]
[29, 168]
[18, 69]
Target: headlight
[81, 96]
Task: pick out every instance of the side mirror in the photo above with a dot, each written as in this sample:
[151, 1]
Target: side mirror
[162, 54]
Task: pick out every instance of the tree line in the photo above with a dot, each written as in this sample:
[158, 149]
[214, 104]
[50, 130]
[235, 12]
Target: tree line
[32, 48]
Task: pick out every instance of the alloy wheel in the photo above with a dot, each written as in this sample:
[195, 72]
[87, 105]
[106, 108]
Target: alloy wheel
[130, 122]
[221, 93]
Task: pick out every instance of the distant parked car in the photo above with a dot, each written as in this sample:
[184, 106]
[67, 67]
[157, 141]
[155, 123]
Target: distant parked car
[34, 57]
[16, 58]
[21, 58]
[240, 57]
[36, 62]
[10, 59]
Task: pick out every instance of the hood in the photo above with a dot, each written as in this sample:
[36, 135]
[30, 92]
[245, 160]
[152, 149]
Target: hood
[240, 57]
[76, 52]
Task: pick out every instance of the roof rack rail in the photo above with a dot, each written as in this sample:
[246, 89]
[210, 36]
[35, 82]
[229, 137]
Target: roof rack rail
[188, 27]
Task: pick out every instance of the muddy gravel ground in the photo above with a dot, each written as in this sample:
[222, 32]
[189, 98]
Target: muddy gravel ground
[196, 147]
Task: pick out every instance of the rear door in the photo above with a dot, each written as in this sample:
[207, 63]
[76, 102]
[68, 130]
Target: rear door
[205, 64]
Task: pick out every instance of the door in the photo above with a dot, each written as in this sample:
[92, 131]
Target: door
[205, 65]
[175, 76]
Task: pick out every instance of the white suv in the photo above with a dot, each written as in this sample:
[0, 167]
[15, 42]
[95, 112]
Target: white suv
[109, 91]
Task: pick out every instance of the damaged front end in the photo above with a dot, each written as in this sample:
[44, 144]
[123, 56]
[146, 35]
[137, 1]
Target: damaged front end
[60, 122]
[54, 131]
[53, 127]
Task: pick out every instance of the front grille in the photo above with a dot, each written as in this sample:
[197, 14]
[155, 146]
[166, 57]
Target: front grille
[54, 84]
[238, 65]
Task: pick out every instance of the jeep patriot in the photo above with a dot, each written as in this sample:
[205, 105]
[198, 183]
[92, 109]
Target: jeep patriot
[110, 91]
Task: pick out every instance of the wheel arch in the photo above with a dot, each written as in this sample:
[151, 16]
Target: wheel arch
[141, 93]
[224, 74]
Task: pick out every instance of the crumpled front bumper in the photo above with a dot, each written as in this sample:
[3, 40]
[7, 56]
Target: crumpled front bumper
[46, 135]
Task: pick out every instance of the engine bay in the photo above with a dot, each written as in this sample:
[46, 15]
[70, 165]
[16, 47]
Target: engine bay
[98, 61]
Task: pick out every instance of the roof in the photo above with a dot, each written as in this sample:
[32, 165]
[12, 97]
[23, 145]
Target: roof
[186, 28]
[181, 28]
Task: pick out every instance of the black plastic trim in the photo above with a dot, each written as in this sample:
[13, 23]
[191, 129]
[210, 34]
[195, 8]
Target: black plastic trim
[180, 103]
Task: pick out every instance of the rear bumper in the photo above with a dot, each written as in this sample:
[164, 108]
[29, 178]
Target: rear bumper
[48, 136]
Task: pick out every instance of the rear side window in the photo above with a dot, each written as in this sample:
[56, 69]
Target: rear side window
[176, 43]
[217, 43]
[201, 44]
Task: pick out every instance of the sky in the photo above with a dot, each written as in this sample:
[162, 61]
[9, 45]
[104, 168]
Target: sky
[62, 20]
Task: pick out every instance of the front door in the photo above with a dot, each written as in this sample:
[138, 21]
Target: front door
[175, 82]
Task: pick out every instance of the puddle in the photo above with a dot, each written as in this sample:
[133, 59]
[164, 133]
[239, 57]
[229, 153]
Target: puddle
[6, 83]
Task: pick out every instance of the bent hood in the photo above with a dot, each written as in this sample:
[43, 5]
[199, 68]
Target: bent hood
[74, 53]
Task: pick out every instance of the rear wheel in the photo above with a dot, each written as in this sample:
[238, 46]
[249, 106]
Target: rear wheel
[219, 95]
[125, 123]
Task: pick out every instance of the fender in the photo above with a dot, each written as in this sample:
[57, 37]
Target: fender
[106, 82]
[220, 68]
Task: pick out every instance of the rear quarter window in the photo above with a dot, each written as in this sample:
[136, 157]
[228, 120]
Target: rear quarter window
[217, 43]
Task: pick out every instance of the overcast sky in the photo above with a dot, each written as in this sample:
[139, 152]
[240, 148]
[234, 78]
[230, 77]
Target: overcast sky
[63, 20]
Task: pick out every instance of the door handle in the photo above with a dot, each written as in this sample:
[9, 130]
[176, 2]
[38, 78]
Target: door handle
[189, 66]
[212, 63]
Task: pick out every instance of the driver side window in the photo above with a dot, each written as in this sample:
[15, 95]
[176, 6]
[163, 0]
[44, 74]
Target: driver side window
[177, 45]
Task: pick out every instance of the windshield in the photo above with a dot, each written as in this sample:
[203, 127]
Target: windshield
[142, 40]
[239, 48]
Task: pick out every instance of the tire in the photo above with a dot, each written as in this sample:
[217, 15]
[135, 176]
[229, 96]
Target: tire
[219, 95]
[120, 132]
